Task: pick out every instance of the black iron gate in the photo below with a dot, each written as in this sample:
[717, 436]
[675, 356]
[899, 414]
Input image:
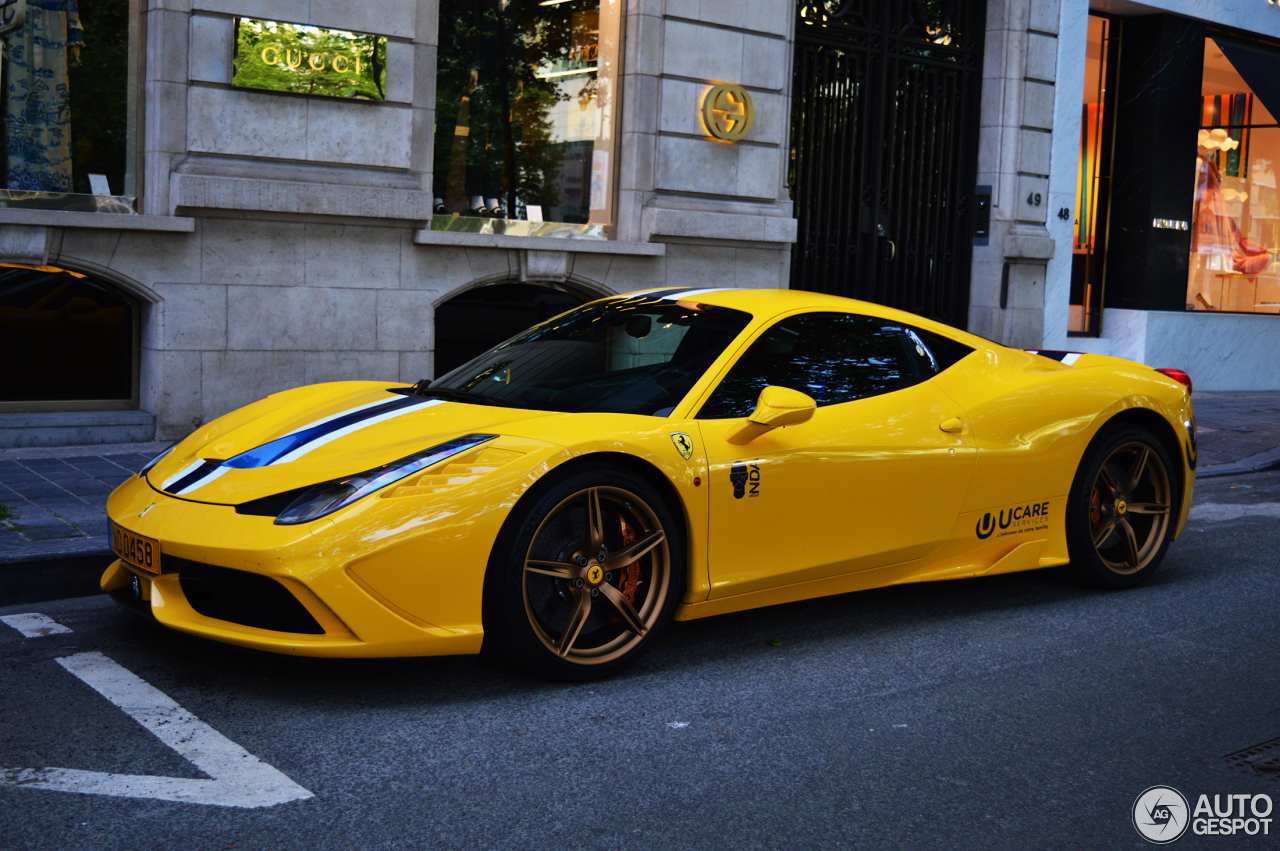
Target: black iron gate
[884, 132]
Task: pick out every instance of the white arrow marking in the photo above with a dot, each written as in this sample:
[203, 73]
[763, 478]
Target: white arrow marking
[34, 625]
[240, 779]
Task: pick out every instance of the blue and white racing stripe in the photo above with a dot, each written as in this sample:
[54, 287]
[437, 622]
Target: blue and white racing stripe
[296, 443]
[1064, 358]
[681, 295]
[676, 293]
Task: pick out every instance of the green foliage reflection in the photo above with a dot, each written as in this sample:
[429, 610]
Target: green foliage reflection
[309, 60]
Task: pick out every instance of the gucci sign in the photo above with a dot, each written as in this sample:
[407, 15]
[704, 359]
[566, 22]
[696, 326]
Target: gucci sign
[727, 111]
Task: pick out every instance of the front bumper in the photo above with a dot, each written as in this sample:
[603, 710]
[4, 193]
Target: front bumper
[387, 577]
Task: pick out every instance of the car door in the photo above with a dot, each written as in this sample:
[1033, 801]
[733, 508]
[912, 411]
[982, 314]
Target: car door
[872, 479]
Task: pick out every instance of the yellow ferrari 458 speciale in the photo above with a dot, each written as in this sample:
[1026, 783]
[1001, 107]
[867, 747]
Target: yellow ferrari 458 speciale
[670, 453]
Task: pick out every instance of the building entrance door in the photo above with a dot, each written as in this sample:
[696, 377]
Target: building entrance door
[884, 133]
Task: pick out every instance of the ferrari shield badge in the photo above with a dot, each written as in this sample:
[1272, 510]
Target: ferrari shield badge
[683, 444]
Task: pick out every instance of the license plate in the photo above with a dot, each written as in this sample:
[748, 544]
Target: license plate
[140, 551]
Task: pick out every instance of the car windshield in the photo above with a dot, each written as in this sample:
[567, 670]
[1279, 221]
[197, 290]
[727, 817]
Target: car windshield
[637, 355]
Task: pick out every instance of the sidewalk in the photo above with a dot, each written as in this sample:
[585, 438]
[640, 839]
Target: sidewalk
[57, 496]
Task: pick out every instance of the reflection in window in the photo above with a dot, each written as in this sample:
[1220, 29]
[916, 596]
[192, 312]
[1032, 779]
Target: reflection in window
[639, 355]
[525, 111]
[66, 106]
[832, 357]
[1235, 226]
[63, 336]
[1093, 178]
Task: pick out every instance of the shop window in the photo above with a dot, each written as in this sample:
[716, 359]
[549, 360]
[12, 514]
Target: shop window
[1093, 178]
[471, 323]
[1235, 226]
[66, 339]
[67, 106]
[526, 114]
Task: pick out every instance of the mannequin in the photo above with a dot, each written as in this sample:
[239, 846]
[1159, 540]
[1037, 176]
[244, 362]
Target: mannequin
[1217, 244]
[38, 115]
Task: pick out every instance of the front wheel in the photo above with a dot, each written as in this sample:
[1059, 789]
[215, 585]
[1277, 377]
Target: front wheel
[1121, 509]
[584, 575]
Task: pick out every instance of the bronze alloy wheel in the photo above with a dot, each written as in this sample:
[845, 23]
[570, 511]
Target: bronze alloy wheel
[597, 575]
[1129, 508]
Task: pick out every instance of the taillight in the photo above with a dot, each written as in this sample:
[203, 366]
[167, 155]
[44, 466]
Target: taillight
[1178, 376]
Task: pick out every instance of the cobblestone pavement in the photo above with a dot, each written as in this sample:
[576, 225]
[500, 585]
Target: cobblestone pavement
[1235, 426]
[56, 497]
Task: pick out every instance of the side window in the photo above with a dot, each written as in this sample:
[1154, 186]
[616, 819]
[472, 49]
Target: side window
[833, 357]
[933, 352]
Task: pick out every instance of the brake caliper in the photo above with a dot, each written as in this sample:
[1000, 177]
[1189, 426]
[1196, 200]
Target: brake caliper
[631, 573]
[1095, 508]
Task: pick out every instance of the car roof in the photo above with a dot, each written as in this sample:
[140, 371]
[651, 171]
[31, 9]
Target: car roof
[764, 304]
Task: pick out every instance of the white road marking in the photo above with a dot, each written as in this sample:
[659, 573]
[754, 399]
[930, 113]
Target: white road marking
[677, 725]
[1215, 511]
[34, 625]
[240, 779]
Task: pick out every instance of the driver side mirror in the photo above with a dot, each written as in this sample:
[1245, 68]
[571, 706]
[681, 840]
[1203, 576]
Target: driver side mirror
[777, 407]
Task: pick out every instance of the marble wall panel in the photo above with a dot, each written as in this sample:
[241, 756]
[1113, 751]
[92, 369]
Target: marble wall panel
[697, 165]
[352, 256]
[245, 251]
[406, 321]
[230, 380]
[415, 366]
[223, 121]
[267, 318]
[193, 316]
[350, 366]
[384, 17]
[150, 257]
[172, 390]
[764, 16]
[211, 48]
[362, 133]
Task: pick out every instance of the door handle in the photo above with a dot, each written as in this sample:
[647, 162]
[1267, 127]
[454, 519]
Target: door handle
[955, 425]
[893, 251]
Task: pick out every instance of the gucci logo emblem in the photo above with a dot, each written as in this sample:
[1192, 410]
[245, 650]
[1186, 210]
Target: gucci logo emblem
[727, 112]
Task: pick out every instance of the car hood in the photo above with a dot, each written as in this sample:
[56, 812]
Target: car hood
[313, 434]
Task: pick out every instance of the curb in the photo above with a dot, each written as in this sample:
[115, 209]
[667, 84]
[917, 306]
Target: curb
[1260, 463]
[52, 577]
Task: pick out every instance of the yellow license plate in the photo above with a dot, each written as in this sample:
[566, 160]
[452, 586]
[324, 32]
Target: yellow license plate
[138, 550]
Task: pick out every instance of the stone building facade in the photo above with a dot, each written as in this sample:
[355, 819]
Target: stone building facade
[281, 239]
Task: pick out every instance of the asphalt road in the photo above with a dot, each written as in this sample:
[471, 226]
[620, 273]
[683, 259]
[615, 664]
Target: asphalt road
[1010, 712]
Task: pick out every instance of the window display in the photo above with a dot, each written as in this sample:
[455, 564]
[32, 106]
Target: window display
[1093, 179]
[64, 83]
[525, 113]
[1235, 226]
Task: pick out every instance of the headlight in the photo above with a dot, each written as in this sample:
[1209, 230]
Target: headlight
[156, 460]
[328, 497]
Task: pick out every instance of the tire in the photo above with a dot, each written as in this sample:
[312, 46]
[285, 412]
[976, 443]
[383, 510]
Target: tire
[575, 600]
[1121, 509]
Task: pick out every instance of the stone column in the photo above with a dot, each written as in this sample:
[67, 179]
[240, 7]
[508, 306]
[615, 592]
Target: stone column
[1007, 301]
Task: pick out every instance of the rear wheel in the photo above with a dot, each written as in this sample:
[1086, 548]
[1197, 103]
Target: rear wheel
[584, 575]
[1121, 509]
